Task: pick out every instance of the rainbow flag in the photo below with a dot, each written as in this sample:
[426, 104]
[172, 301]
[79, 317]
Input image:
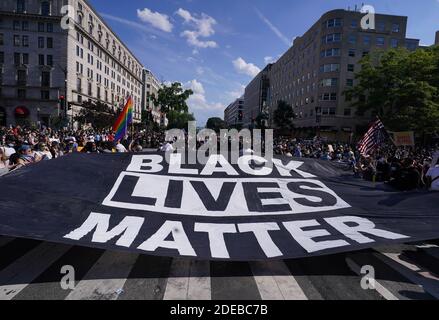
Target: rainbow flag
[124, 120]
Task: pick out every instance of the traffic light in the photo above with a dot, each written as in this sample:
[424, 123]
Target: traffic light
[61, 101]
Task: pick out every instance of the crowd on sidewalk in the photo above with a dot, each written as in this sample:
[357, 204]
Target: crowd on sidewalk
[405, 168]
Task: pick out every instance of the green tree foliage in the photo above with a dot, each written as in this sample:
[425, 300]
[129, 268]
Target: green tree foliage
[216, 124]
[283, 116]
[179, 120]
[400, 87]
[173, 98]
[98, 114]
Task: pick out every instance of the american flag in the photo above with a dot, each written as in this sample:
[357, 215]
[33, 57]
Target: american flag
[376, 136]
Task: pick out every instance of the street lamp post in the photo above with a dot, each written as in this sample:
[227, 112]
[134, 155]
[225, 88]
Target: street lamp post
[318, 120]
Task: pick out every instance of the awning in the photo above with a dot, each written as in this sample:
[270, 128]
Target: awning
[21, 111]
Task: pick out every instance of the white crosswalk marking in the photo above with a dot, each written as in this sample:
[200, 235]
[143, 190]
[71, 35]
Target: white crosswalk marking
[378, 286]
[411, 271]
[106, 278]
[275, 281]
[188, 280]
[27, 268]
[5, 240]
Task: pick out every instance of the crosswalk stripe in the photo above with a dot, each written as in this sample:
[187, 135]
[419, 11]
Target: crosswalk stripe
[411, 271]
[105, 280]
[275, 281]
[5, 240]
[199, 281]
[15, 277]
[188, 280]
[378, 286]
[178, 280]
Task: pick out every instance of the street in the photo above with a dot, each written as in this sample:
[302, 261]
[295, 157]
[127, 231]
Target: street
[31, 269]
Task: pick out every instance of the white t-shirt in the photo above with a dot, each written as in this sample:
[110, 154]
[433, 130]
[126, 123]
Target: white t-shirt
[121, 148]
[433, 173]
[8, 151]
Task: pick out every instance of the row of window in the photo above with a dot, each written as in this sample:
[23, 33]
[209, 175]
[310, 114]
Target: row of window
[24, 26]
[352, 39]
[22, 78]
[380, 26]
[335, 67]
[22, 94]
[45, 7]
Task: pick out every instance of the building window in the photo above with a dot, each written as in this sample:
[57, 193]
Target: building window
[17, 41]
[21, 6]
[331, 53]
[25, 58]
[380, 41]
[16, 25]
[333, 23]
[395, 27]
[45, 95]
[89, 90]
[352, 53]
[351, 67]
[49, 60]
[21, 77]
[25, 25]
[329, 96]
[40, 42]
[381, 26]
[354, 24]
[330, 67]
[1, 39]
[365, 53]
[50, 27]
[17, 59]
[79, 99]
[40, 26]
[50, 43]
[45, 79]
[45, 8]
[352, 39]
[25, 41]
[2, 57]
[366, 40]
[41, 59]
[350, 82]
[79, 86]
[330, 38]
[394, 43]
[21, 93]
[329, 82]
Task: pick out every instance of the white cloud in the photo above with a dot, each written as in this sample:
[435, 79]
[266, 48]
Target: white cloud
[203, 28]
[198, 100]
[156, 19]
[243, 67]
[238, 93]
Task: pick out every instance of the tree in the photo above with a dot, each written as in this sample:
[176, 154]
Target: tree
[283, 116]
[216, 124]
[98, 114]
[400, 87]
[173, 98]
[179, 120]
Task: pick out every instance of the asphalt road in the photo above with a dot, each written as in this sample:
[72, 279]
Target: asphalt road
[32, 270]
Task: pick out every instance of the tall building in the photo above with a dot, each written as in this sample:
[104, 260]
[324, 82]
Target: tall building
[150, 91]
[82, 61]
[257, 96]
[436, 40]
[313, 74]
[234, 113]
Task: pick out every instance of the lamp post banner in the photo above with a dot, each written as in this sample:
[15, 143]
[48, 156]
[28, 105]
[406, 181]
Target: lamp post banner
[249, 211]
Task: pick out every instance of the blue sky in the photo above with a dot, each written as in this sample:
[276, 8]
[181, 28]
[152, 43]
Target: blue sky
[216, 46]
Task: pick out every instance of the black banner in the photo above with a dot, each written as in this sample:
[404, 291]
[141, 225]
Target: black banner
[217, 211]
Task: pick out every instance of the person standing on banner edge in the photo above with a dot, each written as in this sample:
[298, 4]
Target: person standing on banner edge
[433, 173]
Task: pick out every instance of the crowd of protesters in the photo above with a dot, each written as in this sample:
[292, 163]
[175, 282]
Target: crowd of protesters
[20, 146]
[404, 168]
